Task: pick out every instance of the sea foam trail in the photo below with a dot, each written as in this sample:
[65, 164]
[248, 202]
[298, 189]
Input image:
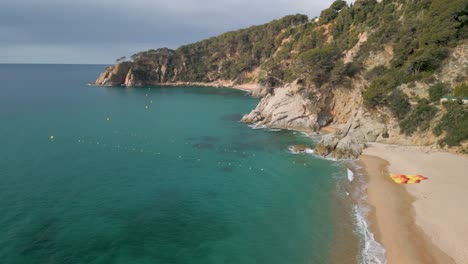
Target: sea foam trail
[350, 175]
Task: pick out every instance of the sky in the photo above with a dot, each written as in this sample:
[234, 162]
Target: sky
[99, 31]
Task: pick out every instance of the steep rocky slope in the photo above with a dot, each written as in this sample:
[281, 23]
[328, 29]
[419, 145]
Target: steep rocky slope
[374, 71]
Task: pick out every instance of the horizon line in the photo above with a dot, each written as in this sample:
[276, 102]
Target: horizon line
[51, 63]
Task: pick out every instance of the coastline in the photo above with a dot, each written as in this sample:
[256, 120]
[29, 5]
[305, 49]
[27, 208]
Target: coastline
[247, 87]
[422, 223]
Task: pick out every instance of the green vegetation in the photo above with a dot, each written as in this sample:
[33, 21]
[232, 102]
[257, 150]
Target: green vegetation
[342, 73]
[461, 90]
[376, 72]
[425, 61]
[380, 89]
[445, 22]
[419, 49]
[318, 63]
[419, 119]
[332, 12]
[454, 123]
[123, 58]
[399, 104]
[437, 91]
[294, 48]
[228, 56]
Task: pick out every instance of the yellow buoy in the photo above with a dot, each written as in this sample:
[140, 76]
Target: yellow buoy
[52, 137]
[108, 119]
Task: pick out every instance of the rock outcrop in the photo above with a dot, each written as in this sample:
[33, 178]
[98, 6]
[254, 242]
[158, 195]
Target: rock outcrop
[114, 75]
[289, 107]
[349, 142]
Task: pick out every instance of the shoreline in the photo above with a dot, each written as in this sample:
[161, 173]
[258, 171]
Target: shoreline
[247, 87]
[421, 223]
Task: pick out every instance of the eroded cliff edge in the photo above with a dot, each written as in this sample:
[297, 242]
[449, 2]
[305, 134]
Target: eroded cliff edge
[371, 80]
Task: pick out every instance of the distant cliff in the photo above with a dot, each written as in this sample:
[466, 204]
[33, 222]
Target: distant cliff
[374, 71]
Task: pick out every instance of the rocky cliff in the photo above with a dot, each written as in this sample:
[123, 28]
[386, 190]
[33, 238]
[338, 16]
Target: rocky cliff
[374, 71]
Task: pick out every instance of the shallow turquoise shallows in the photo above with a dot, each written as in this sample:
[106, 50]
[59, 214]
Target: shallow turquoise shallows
[157, 175]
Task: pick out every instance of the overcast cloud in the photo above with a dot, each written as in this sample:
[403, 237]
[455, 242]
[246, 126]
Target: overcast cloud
[99, 31]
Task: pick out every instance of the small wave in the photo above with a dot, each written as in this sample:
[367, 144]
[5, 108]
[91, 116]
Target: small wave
[255, 126]
[332, 159]
[373, 252]
[307, 151]
[350, 175]
[292, 151]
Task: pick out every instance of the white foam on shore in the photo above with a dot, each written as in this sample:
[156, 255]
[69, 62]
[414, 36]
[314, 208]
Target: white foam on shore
[373, 252]
[309, 151]
[292, 151]
[255, 126]
[306, 151]
[350, 175]
[274, 129]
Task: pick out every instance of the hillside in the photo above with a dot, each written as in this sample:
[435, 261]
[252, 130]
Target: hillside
[372, 71]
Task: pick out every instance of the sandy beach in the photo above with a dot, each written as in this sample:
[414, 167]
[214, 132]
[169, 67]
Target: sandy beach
[418, 223]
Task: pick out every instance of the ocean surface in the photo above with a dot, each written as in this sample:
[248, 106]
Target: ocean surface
[158, 175]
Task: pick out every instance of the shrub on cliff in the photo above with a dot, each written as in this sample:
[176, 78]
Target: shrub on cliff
[378, 91]
[427, 27]
[342, 73]
[376, 72]
[332, 12]
[426, 60]
[454, 123]
[318, 63]
[363, 10]
[437, 91]
[445, 21]
[461, 90]
[419, 119]
[399, 104]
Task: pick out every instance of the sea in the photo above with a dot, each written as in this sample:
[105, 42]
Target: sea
[160, 175]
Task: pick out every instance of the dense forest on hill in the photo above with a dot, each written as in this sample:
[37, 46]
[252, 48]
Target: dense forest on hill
[313, 52]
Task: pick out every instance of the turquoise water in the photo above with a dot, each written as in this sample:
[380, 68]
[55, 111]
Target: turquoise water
[156, 175]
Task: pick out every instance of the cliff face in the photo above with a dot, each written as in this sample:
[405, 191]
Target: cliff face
[115, 75]
[367, 70]
[290, 107]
